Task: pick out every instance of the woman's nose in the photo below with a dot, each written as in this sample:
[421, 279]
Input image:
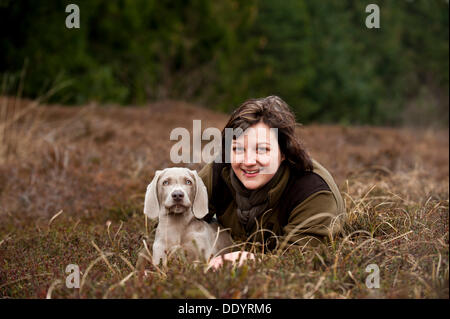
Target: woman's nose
[250, 158]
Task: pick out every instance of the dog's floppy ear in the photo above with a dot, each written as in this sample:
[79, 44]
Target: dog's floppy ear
[151, 204]
[200, 206]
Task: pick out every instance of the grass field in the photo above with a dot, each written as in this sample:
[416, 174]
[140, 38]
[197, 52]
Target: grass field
[72, 183]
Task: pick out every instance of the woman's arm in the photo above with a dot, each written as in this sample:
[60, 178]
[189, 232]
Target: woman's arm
[309, 222]
[206, 175]
[312, 220]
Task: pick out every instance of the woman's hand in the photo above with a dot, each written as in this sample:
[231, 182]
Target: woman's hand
[217, 262]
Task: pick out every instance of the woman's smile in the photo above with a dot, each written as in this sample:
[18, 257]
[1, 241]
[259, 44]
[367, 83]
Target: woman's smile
[249, 173]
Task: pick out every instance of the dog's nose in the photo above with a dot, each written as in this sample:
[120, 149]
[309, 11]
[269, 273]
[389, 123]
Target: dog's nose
[177, 196]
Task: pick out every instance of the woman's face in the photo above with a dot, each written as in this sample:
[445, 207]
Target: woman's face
[256, 155]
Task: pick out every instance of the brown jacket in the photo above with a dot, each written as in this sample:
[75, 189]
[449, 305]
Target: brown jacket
[301, 206]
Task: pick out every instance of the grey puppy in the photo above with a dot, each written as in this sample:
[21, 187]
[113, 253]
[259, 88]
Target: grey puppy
[178, 197]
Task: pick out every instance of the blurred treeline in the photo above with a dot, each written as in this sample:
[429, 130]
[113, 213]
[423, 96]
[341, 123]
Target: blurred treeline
[317, 55]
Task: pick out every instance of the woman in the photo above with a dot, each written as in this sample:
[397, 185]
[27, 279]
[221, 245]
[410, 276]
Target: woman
[272, 191]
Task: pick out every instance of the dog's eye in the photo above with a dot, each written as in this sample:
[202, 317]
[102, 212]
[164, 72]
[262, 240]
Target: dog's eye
[188, 182]
[165, 183]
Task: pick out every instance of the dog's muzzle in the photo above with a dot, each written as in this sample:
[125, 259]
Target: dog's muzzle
[177, 196]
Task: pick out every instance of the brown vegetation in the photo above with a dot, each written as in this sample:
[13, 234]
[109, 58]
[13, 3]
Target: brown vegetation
[94, 163]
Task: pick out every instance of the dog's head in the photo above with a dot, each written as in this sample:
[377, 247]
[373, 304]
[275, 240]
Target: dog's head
[176, 191]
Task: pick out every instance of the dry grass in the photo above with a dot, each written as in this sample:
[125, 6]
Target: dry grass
[72, 181]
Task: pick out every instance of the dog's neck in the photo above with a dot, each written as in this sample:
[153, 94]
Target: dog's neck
[180, 218]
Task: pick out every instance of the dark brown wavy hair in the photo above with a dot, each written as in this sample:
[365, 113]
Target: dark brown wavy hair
[275, 113]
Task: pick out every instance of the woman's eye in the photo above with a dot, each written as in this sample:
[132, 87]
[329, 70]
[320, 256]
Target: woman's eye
[238, 149]
[262, 149]
[165, 183]
[188, 182]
